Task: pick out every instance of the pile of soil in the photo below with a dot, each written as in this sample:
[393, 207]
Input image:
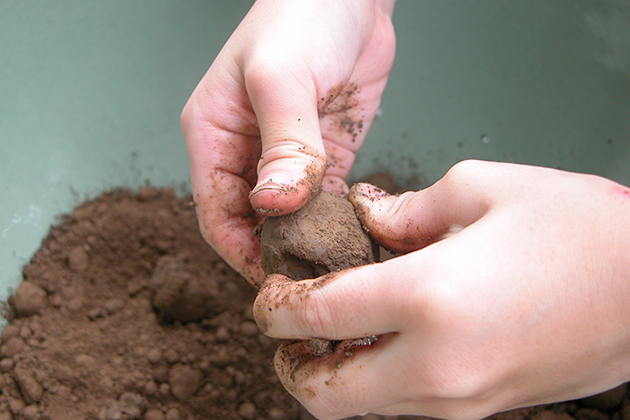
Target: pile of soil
[126, 313]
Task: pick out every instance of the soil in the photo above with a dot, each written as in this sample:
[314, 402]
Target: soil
[126, 313]
[322, 237]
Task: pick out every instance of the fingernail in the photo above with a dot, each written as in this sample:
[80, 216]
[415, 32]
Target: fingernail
[366, 190]
[274, 183]
[265, 186]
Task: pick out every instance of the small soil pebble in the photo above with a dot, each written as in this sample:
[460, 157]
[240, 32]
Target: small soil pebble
[322, 237]
[184, 381]
[154, 414]
[29, 299]
[180, 294]
[29, 386]
[78, 259]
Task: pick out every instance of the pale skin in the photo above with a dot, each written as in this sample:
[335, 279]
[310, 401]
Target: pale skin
[513, 282]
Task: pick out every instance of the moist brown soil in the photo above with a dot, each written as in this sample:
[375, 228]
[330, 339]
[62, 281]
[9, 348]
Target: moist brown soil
[322, 237]
[126, 313]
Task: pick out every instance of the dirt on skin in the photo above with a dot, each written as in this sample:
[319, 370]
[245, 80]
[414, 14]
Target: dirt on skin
[126, 313]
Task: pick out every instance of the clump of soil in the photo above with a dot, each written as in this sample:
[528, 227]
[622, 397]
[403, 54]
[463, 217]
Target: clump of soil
[322, 237]
[125, 313]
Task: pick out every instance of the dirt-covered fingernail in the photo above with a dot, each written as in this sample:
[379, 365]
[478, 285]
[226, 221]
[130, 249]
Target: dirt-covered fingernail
[276, 181]
[365, 190]
[289, 179]
[364, 197]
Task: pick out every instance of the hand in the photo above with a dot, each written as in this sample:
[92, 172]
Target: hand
[512, 291]
[283, 108]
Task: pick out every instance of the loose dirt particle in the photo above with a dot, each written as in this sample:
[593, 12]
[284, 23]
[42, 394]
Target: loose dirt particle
[31, 389]
[78, 259]
[154, 414]
[184, 381]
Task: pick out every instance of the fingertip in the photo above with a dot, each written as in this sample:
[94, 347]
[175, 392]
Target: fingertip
[362, 196]
[269, 291]
[335, 185]
[364, 190]
[290, 175]
[390, 219]
[275, 199]
[252, 271]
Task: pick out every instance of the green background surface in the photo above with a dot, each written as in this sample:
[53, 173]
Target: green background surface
[91, 93]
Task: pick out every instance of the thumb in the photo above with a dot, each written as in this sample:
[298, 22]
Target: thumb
[413, 220]
[293, 159]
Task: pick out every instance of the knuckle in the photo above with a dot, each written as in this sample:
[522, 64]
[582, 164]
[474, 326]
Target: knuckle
[263, 66]
[400, 207]
[472, 171]
[463, 170]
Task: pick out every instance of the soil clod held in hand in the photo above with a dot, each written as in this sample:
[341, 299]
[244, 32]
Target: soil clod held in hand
[322, 237]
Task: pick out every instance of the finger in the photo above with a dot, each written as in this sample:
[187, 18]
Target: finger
[293, 160]
[223, 148]
[227, 222]
[335, 185]
[340, 160]
[359, 302]
[414, 220]
[379, 378]
[221, 185]
[345, 383]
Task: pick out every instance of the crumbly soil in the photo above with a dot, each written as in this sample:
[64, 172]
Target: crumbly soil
[126, 313]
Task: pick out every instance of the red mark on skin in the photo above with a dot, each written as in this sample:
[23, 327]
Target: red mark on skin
[621, 191]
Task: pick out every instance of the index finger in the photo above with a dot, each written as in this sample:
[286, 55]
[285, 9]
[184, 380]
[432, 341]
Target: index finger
[223, 149]
[354, 303]
[344, 383]
[228, 222]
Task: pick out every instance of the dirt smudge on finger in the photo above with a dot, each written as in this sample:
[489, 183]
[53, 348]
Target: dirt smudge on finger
[340, 107]
[313, 175]
[273, 291]
[302, 369]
